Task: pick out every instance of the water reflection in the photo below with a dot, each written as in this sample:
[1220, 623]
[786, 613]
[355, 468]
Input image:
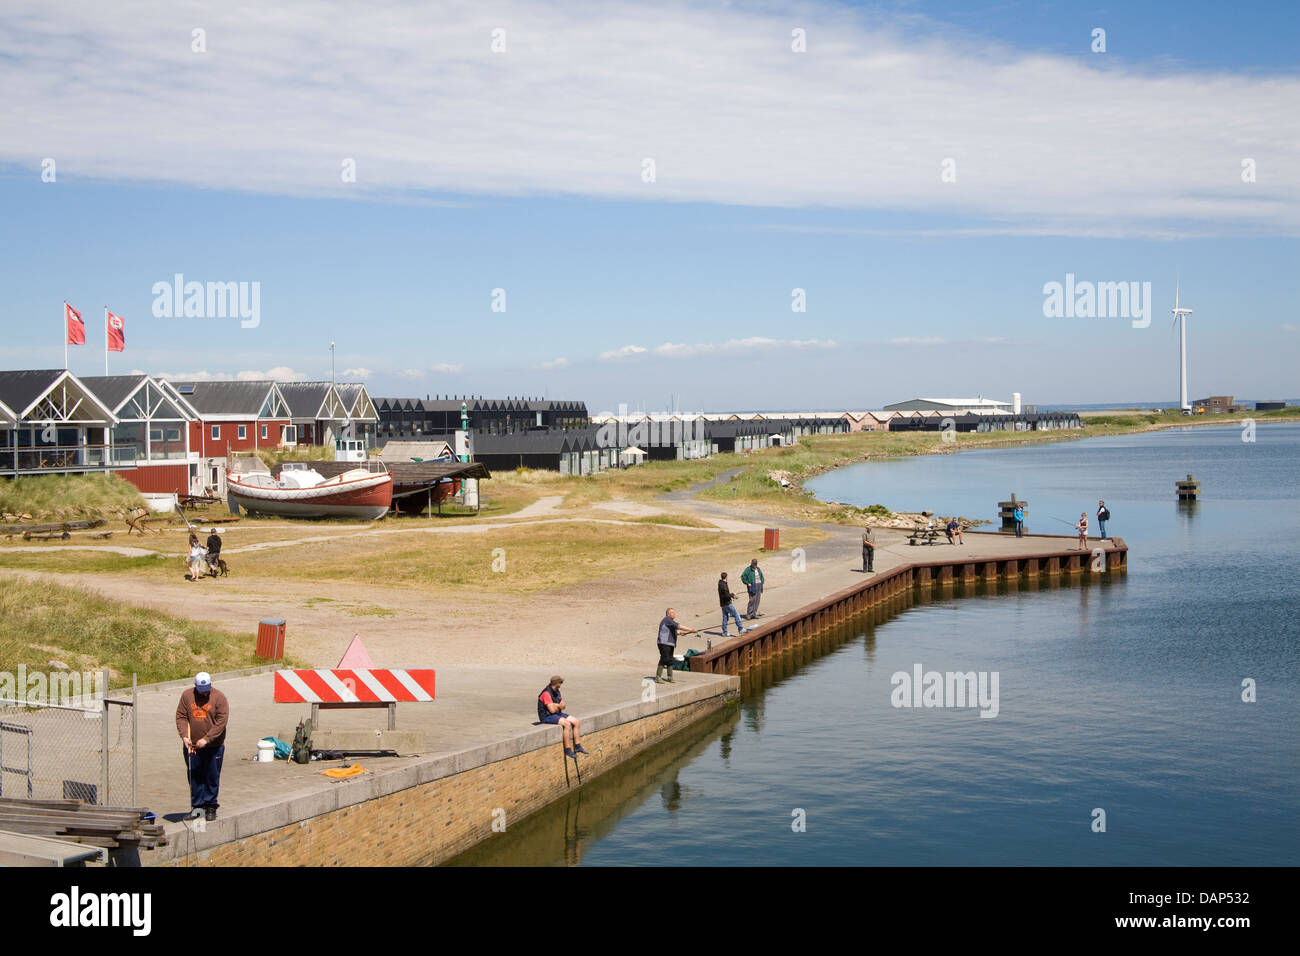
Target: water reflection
[559, 834]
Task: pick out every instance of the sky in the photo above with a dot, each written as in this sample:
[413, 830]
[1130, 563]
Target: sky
[707, 206]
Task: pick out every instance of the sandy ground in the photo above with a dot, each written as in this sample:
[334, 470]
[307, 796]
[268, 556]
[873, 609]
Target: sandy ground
[609, 622]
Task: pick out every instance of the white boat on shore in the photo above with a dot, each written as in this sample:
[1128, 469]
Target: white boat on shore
[302, 492]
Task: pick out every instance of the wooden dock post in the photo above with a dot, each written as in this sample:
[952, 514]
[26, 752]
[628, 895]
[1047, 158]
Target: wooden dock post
[1188, 488]
[1007, 512]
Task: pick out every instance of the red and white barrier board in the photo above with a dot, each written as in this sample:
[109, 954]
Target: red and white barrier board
[355, 686]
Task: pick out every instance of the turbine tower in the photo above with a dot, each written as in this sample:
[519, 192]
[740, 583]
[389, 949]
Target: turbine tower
[1180, 316]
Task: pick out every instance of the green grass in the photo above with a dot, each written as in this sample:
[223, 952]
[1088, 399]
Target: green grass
[43, 621]
[680, 521]
[67, 497]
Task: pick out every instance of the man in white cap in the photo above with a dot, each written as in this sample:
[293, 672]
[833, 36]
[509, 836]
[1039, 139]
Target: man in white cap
[201, 722]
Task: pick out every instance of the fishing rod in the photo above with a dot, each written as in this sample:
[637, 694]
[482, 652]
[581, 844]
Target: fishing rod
[1072, 524]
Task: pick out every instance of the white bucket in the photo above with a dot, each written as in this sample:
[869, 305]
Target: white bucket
[265, 751]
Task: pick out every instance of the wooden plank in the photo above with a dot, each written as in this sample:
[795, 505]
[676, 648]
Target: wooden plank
[23, 849]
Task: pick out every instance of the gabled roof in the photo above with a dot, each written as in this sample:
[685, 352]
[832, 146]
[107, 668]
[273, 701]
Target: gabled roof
[22, 389]
[410, 450]
[305, 399]
[228, 400]
[116, 391]
[357, 401]
[113, 390]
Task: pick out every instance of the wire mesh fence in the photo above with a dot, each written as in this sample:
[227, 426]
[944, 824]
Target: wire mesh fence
[82, 747]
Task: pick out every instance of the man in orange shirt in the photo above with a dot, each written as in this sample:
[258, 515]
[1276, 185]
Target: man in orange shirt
[201, 719]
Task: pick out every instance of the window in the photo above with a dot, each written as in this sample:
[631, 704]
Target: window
[216, 432]
[243, 431]
[263, 431]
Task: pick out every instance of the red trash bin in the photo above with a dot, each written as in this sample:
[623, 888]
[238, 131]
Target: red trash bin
[771, 539]
[270, 638]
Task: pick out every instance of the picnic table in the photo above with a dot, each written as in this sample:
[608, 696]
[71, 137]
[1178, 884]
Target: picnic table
[923, 536]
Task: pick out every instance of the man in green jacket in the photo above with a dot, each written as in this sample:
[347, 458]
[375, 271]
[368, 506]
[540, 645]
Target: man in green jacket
[752, 578]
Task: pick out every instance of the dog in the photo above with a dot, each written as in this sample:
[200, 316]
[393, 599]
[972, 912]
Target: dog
[218, 567]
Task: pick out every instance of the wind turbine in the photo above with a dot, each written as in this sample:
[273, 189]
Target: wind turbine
[1182, 354]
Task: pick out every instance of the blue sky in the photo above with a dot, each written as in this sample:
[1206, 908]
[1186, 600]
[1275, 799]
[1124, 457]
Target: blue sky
[775, 171]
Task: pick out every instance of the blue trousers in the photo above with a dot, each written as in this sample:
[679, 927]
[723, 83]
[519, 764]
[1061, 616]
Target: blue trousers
[731, 609]
[205, 775]
[1102, 525]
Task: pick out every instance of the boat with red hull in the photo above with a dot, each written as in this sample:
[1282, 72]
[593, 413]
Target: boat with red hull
[301, 492]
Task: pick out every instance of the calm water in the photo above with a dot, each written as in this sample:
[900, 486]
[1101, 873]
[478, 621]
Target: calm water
[1124, 696]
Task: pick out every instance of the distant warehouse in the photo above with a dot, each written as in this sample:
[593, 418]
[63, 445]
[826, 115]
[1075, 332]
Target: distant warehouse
[957, 406]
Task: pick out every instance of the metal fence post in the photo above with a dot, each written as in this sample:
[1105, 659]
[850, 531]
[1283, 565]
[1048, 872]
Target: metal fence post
[103, 745]
[135, 744]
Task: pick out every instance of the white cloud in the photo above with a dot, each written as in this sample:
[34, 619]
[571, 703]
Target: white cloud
[713, 94]
[442, 368]
[927, 340]
[553, 364]
[752, 344]
[1288, 327]
[280, 373]
[730, 347]
[357, 373]
[625, 352]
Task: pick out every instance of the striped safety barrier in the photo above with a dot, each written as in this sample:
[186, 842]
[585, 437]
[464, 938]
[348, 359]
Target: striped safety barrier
[356, 686]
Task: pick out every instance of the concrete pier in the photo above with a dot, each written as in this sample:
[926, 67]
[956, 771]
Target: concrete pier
[488, 766]
[1001, 559]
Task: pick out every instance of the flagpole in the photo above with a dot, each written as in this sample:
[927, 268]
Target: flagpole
[65, 335]
[105, 340]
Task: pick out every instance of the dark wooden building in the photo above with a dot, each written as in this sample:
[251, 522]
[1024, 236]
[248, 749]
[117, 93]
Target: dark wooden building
[409, 418]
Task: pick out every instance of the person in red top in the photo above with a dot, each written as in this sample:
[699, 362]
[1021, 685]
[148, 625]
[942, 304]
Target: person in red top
[550, 710]
[201, 718]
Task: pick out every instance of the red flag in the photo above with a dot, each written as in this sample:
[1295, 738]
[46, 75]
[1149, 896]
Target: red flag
[75, 327]
[116, 331]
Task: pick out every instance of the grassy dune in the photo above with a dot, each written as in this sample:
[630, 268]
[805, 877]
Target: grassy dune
[42, 621]
[67, 497]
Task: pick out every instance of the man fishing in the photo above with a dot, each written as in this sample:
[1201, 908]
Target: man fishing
[550, 710]
[667, 641]
[868, 551]
[201, 718]
[753, 579]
